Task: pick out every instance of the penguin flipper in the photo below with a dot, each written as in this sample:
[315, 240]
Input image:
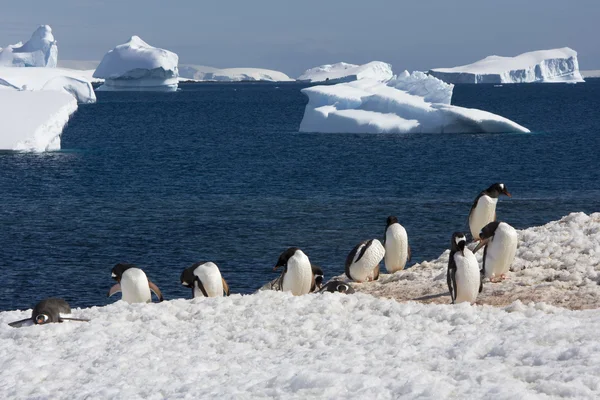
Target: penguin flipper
[451, 278]
[201, 287]
[376, 273]
[20, 323]
[409, 253]
[115, 289]
[61, 319]
[155, 290]
[225, 287]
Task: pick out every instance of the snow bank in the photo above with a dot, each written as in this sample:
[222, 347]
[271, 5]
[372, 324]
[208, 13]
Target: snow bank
[368, 106]
[39, 51]
[136, 65]
[558, 263]
[557, 65]
[325, 346]
[203, 73]
[344, 72]
[34, 120]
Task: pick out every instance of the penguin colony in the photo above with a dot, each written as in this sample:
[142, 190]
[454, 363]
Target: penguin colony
[299, 276]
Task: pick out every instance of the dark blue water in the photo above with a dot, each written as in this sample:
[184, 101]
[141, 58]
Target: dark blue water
[219, 172]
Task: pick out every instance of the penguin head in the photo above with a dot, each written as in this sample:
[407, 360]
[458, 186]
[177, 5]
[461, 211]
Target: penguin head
[337, 286]
[119, 269]
[489, 230]
[459, 241]
[41, 319]
[497, 189]
[187, 276]
[391, 220]
[285, 256]
[318, 273]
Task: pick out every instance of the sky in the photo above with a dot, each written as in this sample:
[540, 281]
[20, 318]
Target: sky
[292, 36]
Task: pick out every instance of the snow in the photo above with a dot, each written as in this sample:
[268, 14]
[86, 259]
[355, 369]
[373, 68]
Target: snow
[39, 51]
[399, 106]
[344, 72]
[556, 65]
[203, 73]
[136, 65]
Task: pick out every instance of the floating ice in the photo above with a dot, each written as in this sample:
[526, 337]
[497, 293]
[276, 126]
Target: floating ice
[344, 72]
[39, 51]
[136, 65]
[557, 65]
[204, 73]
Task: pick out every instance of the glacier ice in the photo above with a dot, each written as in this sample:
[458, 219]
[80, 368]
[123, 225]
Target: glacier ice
[556, 65]
[39, 51]
[136, 65]
[413, 103]
[344, 72]
[204, 73]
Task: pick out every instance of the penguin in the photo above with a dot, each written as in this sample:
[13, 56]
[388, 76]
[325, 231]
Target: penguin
[48, 311]
[297, 276]
[205, 280]
[317, 277]
[500, 241]
[463, 276]
[483, 210]
[362, 264]
[336, 286]
[134, 284]
[397, 250]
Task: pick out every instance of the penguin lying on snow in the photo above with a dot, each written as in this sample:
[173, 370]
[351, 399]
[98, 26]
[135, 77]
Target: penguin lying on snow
[500, 242]
[205, 280]
[48, 311]
[362, 264]
[483, 210]
[463, 276]
[397, 250]
[337, 287]
[134, 284]
[297, 276]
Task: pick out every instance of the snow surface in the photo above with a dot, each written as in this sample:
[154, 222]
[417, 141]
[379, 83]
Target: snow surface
[369, 106]
[39, 51]
[136, 65]
[344, 72]
[557, 263]
[201, 73]
[556, 65]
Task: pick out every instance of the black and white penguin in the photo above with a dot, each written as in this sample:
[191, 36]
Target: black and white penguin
[297, 276]
[362, 264]
[134, 284]
[205, 280]
[463, 276]
[48, 311]
[397, 250]
[337, 287]
[483, 210]
[500, 241]
[317, 277]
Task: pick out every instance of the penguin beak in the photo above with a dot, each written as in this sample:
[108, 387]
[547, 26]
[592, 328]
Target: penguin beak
[481, 243]
[506, 193]
[275, 267]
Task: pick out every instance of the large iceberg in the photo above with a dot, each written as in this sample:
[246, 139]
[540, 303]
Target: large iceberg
[557, 65]
[409, 103]
[136, 65]
[39, 51]
[203, 73]
[344, 72]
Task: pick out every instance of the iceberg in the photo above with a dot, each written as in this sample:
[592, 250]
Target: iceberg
[556, 65]
[136, 65]
[344, 72]
[39, 51]
[202, 73]
[409, 103]
[591, 73]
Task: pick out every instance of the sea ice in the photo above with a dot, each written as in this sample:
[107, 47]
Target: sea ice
[39, 51]
[203, 73]
[556, 65]
[136, 65]
[344, 72]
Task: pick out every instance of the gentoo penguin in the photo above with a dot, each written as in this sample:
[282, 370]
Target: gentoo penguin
[317, 277]
[297, 276]
[48, 311]
[362, 264]
[463, 276]
[397, 250]
[205, 280]
[483, 210]
[337, 287]
[500, 241]
[134, 284]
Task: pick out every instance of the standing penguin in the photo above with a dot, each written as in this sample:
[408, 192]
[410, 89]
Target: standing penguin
[205, 280]
[483, 210]
[317, 277]
[297, 276]
[134, 284]
[48, 311]
[362, 264]
[463, 276]
[500, 241]
[397, 250]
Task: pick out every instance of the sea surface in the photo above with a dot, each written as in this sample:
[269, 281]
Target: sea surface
[219, 172]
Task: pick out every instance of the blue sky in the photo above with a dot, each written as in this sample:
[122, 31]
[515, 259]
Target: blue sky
[292, 36]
